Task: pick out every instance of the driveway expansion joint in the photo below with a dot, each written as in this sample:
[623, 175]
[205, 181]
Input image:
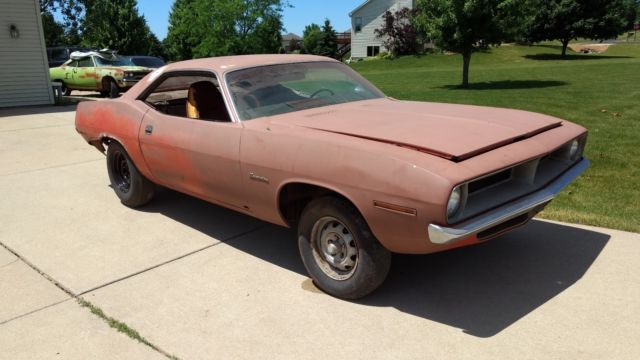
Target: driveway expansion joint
[113, 323]
[51, 167]
[34, 311]
[173, 260]
[36, 269]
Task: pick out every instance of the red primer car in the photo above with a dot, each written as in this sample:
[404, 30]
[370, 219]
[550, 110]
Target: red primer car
[306, 142]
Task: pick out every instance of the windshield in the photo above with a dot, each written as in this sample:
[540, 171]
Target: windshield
[278, 89]
[115, 61]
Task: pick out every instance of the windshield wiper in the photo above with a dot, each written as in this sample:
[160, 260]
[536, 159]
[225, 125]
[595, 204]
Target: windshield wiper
[306, 104]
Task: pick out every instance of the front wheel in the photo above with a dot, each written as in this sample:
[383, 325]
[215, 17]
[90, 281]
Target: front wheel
[129, 184]
[110, 89]
[339, 251]
[65, 90]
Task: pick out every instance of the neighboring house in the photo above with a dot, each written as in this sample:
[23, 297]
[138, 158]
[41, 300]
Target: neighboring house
[291, 42]
[24, 69]
[365, 19]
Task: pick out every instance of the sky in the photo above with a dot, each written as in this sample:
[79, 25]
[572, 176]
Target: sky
[303, 13]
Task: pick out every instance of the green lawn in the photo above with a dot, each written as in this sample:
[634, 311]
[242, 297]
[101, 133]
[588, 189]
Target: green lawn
[600, 92]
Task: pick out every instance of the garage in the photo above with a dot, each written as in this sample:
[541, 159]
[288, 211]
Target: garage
[24, 70]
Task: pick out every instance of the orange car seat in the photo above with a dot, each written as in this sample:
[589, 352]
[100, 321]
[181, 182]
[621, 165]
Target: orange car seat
[204, 101]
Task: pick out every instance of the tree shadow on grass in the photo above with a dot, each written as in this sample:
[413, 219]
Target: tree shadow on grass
[508, 85]
[572, 57]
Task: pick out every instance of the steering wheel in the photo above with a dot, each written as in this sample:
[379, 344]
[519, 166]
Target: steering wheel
[321, 90]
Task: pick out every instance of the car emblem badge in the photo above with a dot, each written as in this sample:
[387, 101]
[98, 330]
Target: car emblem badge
[255, 177]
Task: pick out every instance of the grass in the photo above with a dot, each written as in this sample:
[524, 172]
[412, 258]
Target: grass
[600, 92]
[122, 327]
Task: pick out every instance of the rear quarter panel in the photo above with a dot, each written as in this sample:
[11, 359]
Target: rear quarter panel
[119, 120]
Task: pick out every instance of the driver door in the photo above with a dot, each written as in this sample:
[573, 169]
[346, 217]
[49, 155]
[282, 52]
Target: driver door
[84, 74]
[198, 157]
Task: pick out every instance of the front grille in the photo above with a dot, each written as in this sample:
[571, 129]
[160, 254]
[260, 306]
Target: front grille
[136, 75]
[489, 181]
[496, 189]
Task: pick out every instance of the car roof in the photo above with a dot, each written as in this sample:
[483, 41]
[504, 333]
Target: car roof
[222, 65]
[227, 63]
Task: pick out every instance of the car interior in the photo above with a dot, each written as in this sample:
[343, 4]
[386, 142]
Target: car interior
[193, 97]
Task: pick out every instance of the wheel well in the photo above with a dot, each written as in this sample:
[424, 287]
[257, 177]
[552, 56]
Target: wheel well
[105, 140]
[105, 82]
[294, 197]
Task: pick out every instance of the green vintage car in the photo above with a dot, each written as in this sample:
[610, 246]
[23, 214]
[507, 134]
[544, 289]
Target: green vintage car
[102, 71]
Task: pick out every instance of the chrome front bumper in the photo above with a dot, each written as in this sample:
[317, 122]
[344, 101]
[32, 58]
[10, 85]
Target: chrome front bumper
[128, 82]
[445, 235]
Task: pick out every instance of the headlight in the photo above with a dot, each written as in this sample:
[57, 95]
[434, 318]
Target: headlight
[129, 75]
[575, 150]
[454, 202]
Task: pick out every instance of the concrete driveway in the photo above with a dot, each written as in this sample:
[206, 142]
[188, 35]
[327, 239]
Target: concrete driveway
[200, 282]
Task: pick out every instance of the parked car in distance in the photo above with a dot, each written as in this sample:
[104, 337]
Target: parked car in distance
[306, 142]
[147, 61]
[102, 71]
[58, 55]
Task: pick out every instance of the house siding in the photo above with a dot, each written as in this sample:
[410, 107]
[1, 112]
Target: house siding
[371, 14]
[24, 70]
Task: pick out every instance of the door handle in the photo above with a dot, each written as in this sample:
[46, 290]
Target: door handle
[148, 130]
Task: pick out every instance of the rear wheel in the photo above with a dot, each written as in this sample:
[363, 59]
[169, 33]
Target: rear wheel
[129, 184]
[339, 251]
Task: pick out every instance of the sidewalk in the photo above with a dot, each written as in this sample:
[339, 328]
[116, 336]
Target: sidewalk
[201, 282]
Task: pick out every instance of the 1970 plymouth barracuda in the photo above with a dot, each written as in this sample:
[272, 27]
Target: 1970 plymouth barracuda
[304, 141]
[102, 71]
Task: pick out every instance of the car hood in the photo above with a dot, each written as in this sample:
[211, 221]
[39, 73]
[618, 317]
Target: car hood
[137, 68]
[454, 132]
[127, 68]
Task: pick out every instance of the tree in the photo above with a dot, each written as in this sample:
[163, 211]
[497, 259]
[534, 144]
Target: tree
[328, 45]
[53, 30]
[116, 24]
[258, 27]
[155, 47]
[466, 26]
[318, 40]
[72, 12]
[202, 28]
[182, 36]
[311, 37]
[567, 20]
[398, 33]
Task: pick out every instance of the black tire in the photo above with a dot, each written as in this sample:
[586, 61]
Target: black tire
[113, 89]
[328, 217]
[65, 90]
[131, 187]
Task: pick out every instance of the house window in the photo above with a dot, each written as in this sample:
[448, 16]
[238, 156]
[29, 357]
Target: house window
[358, 24]
[373, 50]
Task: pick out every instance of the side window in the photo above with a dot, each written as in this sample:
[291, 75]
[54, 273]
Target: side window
[196, 96]
[358, 24]
[73, 63]
[86, 62]
[373, 50]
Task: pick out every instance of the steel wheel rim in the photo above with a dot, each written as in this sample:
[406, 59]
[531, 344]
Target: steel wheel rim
[121, 172]
[335, 249]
